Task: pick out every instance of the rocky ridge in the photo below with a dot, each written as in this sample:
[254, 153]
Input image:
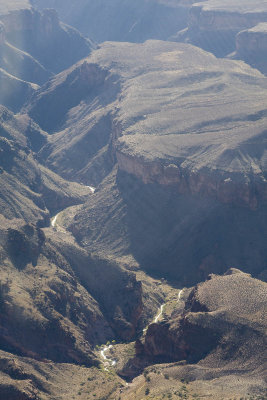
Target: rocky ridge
[251, 46]
[161, 155]
[179, 153]
[213, 24]
[32, 50]
[195, 352]
[211, 161]
[213, 314]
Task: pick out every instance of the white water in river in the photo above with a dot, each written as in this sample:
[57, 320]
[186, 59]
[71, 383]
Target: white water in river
[110, 362]
[159, 314]
[107, 360]
[54, 220]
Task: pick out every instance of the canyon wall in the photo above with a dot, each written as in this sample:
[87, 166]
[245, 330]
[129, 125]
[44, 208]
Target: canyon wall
[251, 46]
[213, 26]
[119, 20]
[241, 190]
[54, 45]
[215, 313]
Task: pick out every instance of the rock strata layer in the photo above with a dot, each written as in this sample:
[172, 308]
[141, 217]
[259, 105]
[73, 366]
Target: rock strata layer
[251, 46]
[213, 24]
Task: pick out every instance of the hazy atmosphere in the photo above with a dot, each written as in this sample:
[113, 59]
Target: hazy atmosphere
[133, 199]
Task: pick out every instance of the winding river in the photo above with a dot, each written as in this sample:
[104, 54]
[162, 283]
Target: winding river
[54, 219]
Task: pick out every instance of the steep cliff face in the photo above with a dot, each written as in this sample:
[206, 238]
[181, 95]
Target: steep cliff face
[251, 46]
[190, 152]
[150, 139]
[103, 20]
[213, 25]
[55, 45]
[33, 46]
[168, 144]
[80, 82]
[14, 91]
[242, 191]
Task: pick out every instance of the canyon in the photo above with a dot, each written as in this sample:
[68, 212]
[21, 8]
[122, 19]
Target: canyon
[133, 200]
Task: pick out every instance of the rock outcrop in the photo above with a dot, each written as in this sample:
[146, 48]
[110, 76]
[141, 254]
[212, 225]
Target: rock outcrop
[218, 327]
[82, 81]
[33, 46]
[242, 191]
[55, 45]
[187, 143]
[251, 46]
[150, 138]
[213, 25]
[32, 189]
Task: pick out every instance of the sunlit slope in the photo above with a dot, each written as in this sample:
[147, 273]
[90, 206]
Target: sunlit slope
[187, 132]
[181, 114]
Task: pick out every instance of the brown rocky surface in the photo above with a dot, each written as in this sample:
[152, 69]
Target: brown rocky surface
[46, 313]
[219, 337]
[29, 190]
[187, 180]
[174, 139]
[224, 315]
[23, 378]
[151, 139]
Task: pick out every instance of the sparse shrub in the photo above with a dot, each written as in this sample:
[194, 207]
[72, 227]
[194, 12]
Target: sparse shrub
[147, 391]
[166, 376]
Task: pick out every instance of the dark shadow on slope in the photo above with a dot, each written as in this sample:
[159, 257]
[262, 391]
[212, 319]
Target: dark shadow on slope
[185, 238]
